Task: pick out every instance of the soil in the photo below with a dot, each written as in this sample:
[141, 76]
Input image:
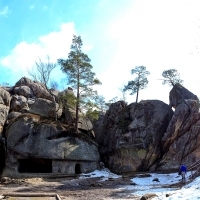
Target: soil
[68, 188]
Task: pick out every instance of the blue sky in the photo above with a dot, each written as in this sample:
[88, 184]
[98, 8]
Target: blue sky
[117, 36]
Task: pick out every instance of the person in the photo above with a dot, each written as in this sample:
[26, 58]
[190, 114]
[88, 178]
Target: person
[183, 171]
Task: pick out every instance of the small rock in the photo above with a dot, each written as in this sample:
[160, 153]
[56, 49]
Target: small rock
[143, 175]
[148, 196]
[133, 183]
[5, 179]
[156, 179]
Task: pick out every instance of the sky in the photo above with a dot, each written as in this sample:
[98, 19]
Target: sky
[117, 35]
[146, 185]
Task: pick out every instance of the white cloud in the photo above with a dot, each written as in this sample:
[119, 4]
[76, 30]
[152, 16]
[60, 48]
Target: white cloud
[5, 11]
[55, 44]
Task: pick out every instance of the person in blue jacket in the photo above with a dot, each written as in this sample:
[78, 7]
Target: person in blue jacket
[183, 171]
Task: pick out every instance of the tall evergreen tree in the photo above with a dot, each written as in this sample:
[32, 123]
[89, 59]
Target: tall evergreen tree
[79, 75]
[140, 82]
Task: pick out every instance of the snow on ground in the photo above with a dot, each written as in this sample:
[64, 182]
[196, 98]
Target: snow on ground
[190, 191]
[105, 174]
[146, 185]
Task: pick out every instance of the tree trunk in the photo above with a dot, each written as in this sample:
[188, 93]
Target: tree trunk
[137, 96]
[76, 123]
[77, 105]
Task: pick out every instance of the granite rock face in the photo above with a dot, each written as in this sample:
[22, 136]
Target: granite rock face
[4, 107]
[149, 135]
[181, 141]
[31, 96]
[31, 136]
[131, 135]
[33, 139]
[179, 94]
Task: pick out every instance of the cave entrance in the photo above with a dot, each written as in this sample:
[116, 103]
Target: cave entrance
[34, 165]
[77, 168]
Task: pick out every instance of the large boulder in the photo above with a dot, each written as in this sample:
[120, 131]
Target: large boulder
[181, 141]
[131, 135]
[4, 107]
[29, 88]
[33, 140]
[179, 94]
[33, 97]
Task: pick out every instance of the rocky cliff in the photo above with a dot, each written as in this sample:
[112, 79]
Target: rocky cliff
[142, 136]
[33, 142]
[149, 135]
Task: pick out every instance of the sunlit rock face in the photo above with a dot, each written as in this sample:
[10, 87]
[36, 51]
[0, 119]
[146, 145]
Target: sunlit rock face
[5, 98]
[51, 146]
[179, 94]
[181, 140]
[131, 135]
[4, 107]
[34, 141]
[149, 135]
[32, 97]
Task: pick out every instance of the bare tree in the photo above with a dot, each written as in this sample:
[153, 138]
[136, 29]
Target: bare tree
[42, 74]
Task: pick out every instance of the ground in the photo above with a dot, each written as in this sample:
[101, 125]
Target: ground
[74, 188]
[70, 189]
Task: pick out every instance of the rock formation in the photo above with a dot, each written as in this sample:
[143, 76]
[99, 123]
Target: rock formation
[142, 136]
[4, 109]
[149, 135]
[131, 135]
[37, 143]
[181, 141]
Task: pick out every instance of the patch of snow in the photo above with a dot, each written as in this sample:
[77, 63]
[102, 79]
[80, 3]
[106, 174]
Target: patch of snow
[146, 185]
[190, 191]
[105, 174]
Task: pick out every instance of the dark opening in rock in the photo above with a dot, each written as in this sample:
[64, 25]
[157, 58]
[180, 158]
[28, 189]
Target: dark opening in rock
[34, 165]
[77, 168]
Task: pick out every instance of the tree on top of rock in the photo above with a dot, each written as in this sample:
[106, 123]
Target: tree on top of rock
[171, 77]
[140, 82]
[79, 75]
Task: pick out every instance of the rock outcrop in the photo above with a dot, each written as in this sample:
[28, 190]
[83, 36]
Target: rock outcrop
[4, 107]
[149, 135]
[131, 135]
[31, 96]
[181, 141]
[35, 142]
[31, 139]
[179, 95]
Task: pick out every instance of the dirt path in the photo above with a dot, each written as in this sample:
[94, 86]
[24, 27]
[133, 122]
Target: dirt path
[73, 189]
